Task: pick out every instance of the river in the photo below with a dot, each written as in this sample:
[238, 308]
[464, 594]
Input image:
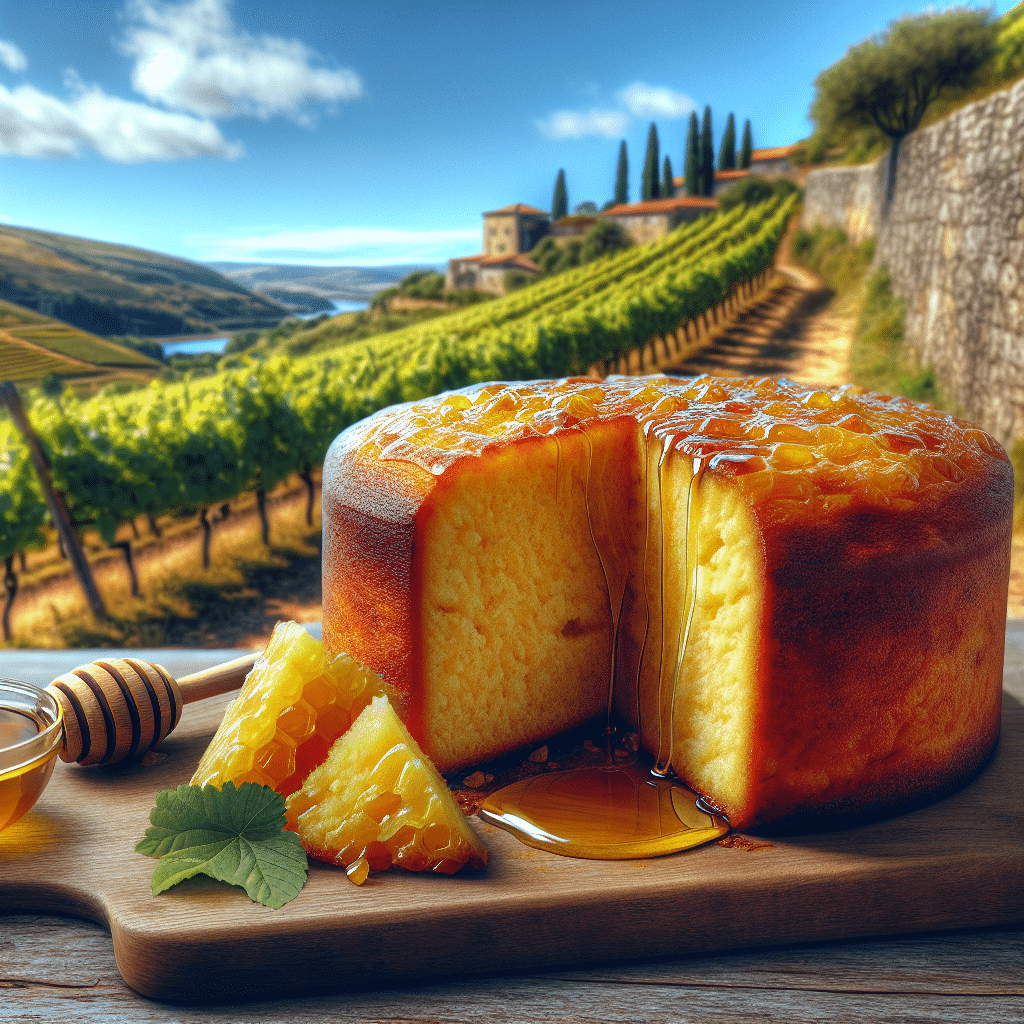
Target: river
[205, 343]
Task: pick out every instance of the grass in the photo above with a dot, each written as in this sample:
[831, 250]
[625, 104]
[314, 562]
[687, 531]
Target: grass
[879, 357]
[829, 253]
[235, 603]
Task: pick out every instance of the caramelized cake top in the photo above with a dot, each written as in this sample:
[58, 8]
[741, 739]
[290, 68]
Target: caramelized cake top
[780, 441]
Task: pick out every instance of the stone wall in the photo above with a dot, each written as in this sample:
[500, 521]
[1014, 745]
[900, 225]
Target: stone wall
[847, 196]
[953, 240]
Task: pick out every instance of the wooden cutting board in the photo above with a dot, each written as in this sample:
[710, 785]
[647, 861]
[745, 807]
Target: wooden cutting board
[956, 864]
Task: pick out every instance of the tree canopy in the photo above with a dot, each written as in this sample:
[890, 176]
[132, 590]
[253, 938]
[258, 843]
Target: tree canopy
[747, 148]
[560, 200]
[622, 176]
[727, 149]
[668, 181]
[692, 163]
[650, 186]
[889, 81]
[706, 145]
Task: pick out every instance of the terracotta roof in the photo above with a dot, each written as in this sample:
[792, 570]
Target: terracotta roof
[661, 206]
[519, 208]
[725, 175]
[468, 259]
[515, 260]
[773, 154]
[577, 218]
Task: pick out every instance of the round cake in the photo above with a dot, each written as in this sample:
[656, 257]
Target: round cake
[797, 597]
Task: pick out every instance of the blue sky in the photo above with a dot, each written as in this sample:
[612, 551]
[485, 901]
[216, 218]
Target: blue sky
[367, 133]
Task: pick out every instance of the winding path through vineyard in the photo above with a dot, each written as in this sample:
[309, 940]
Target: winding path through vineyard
[790, 332]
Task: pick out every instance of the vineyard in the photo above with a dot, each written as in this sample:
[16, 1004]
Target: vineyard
[32, 346]
[190, 446]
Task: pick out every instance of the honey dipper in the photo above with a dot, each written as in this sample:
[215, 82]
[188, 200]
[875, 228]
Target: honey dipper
[118, 708]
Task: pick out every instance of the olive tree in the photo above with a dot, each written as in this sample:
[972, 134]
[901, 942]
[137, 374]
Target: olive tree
[887, 82]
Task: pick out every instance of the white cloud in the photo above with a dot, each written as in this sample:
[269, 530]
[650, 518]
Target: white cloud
[11, 57]
[644, 100]
[639, 99]
[359, 246]
[574, 124]
[190, 56]
[35, 124]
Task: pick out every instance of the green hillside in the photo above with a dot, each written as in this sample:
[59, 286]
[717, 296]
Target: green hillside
[33, 346]
[114, 290]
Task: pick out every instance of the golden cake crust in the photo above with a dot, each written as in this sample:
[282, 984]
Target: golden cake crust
[883, 531]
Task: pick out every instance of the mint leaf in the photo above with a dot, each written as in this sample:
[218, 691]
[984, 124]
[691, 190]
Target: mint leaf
[233, 834]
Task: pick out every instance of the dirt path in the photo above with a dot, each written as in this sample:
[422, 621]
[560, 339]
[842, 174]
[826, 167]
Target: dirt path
[790, 332]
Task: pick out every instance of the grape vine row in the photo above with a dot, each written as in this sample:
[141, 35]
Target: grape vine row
[169, 447]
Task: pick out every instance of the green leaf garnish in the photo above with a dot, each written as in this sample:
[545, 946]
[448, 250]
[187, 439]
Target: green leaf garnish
[234, 834]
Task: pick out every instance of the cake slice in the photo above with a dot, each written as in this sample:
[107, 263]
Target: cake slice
[377, 801]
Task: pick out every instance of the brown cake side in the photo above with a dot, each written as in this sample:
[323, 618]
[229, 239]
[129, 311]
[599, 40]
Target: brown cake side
[843, 655]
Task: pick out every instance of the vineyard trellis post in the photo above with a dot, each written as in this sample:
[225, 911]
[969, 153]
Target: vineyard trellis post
[54, 500]
[11, 586]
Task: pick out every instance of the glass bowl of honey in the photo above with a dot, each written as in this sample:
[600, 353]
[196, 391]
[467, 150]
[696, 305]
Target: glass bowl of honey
[31, 731]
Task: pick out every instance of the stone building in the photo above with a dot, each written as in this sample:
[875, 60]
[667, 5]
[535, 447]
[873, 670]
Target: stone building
[773, 163]
[654, 218]
[486, 273]
[509, 233]
[514, 229]
[765, 163]
[723, 179]
[576, 225]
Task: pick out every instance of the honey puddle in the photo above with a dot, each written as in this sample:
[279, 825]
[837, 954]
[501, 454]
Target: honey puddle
[603, 813]
[613, 811]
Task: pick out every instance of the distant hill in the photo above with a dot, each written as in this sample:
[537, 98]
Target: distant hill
[351, 284]
[109, 289]
[33, 346]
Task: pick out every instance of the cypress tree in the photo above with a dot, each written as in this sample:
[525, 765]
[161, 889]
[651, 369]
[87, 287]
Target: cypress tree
[707, 156]
[747, 149]
[692, 172]
[727, 151]
[622, 176]
[560, 201]
[650, 188]
[668, 184]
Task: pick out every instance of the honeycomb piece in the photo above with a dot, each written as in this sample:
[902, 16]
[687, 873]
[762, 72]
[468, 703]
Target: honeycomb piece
[377, 799]
[295, 703]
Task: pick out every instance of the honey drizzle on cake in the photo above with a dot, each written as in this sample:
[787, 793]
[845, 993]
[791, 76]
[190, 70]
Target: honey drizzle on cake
[617, 811]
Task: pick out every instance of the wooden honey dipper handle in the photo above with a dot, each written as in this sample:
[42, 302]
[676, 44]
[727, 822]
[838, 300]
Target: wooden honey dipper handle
[121, 707]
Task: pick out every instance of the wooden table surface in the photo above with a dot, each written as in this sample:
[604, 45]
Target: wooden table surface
[54, 968]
